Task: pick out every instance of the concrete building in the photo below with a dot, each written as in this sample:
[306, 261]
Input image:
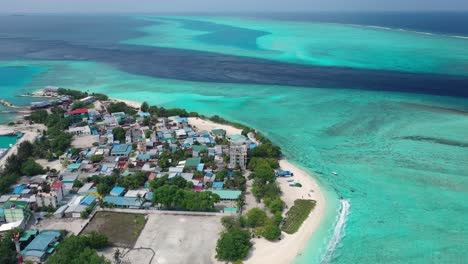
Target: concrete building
[238, 155]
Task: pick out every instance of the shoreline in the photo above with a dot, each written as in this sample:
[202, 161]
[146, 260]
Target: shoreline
[30, 133]
[291, 245]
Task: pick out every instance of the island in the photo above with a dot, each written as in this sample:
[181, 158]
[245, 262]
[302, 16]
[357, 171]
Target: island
[105, 180]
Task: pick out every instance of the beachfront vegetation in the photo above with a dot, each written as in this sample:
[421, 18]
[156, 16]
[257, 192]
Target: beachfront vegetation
[256, 217]
[17, 165]
[297, 214]
[31, 168]
[78, 249]
[234, 244]
[264, 179]
[121, 107]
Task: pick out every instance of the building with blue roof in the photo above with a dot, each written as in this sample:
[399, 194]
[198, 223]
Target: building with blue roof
[117, 191]
[18, 189]
[144, 114]
[121, 150]
[218, 185]
[227, 194]
[42, 246]
[124, 202]
[88, 200]
[143, 157]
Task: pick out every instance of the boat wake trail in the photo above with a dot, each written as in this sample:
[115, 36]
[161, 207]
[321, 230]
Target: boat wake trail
[339, 231]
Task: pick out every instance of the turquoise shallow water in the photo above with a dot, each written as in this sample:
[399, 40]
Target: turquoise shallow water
[323, 44]
[401, 158]
[13, 81]
[5, 141]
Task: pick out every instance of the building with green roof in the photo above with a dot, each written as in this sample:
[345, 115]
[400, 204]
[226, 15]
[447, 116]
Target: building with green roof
[73, 167]
[16, 211]
[218, 132]
[199, 148]
[192, 163]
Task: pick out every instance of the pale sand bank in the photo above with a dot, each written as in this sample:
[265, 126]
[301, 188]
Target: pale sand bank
[208, 125]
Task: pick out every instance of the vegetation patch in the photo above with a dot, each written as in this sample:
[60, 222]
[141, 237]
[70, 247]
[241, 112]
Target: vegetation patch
[297, 215]
[121, 229]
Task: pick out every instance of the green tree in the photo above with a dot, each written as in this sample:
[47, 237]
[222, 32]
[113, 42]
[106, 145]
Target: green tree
[144, 107]
[119, 134]
[7, 249]
[271, 232]
[256, 217]
[31, 168]
[39, 116]
[275, 205]
[234, 244]
[97, 240]
[76, 250]
[96, 158]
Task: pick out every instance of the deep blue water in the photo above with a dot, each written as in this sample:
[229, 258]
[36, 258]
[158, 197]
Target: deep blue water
[222, 34]
[449, 23]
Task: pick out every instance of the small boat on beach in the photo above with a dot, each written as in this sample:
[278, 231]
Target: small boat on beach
[291, 180]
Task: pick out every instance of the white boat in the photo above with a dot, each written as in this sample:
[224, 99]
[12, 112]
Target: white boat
[334, 173]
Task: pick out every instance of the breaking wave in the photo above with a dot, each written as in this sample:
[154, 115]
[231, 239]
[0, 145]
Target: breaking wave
[339, 231]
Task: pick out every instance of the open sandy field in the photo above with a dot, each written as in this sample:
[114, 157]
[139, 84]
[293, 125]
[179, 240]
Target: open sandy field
[176, 239]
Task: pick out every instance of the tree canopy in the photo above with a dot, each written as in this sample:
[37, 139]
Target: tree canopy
[77, 250]
[234, 244]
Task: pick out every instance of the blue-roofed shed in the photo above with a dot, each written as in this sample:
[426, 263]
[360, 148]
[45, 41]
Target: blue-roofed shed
[144, 157]
[125, 202]
[227, 194]
[149, 196]
[18, 189]
[200, 167]
[121, 150]
[117, 191]
[218, 185]
[88, 200]
[144, 114]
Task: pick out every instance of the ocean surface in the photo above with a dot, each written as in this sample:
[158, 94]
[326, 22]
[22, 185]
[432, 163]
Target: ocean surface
[5, 141]
[385, 105]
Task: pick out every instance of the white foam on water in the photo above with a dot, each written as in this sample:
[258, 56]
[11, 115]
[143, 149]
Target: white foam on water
[338, 231]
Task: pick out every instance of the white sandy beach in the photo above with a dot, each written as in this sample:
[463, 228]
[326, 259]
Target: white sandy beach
[208, 125]
[30, 134]
[285, 250]
[290, 246]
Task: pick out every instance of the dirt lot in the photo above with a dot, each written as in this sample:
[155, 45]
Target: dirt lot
[176, 239]
[122, 229]
[73, 225]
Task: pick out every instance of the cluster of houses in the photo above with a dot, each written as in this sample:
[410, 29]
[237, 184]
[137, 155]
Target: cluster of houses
[140, 150]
